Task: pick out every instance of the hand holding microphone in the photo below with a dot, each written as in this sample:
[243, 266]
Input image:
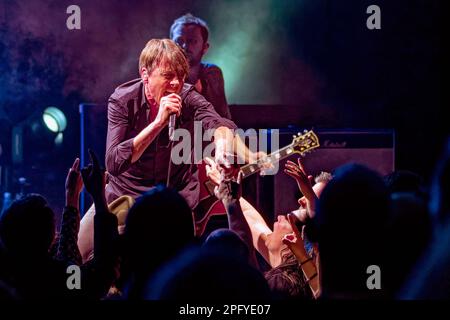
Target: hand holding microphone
[169, 109]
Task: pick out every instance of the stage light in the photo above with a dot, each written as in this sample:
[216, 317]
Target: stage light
[39, 133]
[54, 119]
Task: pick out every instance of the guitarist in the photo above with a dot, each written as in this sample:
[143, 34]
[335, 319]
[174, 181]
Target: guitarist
[191, 34]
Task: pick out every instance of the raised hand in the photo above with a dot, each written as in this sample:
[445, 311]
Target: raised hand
[74, 184]
[229, 187]
[304, 181]
[294, 240]
[94, 177]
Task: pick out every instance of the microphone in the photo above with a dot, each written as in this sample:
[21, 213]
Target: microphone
[172, 119]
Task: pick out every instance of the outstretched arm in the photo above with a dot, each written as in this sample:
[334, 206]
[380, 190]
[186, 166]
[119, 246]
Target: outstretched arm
[253, 219]
[67, 245]
[229, 190]
[102, 273]
[304, 182]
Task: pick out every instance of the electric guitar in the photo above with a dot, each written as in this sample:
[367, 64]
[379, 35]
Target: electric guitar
[209, 205]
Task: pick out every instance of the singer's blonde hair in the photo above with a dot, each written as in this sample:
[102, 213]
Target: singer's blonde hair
[157, 51]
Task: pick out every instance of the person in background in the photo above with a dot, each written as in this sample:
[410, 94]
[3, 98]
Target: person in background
[191, 34]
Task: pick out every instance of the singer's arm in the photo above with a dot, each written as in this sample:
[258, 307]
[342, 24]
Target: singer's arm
[145, 138]
[226, 142]
[169, 105]
[224, 138]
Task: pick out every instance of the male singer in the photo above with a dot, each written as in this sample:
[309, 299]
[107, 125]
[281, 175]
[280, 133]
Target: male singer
[138, 147]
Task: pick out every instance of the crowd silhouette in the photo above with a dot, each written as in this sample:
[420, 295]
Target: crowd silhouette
[355, 235]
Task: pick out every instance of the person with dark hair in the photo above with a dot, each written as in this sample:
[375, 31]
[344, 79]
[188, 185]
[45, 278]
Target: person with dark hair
[408, 235]
[191, 33]
[351, 219]
[205, 275]
[406, 181]
[430, 278]
[439, 203]
[27, 229]
[228, 241]
[158, 226]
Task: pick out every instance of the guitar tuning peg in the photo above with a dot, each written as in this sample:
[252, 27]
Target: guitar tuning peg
[299, 133]
[294, 136]
[305, 131]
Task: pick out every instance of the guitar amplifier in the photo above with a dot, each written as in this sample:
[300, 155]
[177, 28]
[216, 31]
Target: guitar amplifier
[373, 148]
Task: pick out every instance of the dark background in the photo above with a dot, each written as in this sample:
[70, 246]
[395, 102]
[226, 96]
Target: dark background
[316, 56]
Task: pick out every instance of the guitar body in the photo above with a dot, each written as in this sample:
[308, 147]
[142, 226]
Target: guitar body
[208, 205]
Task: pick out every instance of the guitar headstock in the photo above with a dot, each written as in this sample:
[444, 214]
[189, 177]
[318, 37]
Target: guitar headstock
[305, 142]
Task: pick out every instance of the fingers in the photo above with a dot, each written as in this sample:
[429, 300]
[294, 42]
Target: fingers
[172, 103]
[294, 169]
[302, 201]
[94, 159]
[211, 171]
[300, 165]
[290, 163]
[292, 166]
[208, 169]
[311, 180]
[173, 97]
[174, 109]
[224, 160]
[210, 162]
[76, 164]
[85, 172]
[210, 165]
[289, 239]
[291, 173]
[293, 221]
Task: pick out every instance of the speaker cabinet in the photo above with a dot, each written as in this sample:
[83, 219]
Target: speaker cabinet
[373, 148]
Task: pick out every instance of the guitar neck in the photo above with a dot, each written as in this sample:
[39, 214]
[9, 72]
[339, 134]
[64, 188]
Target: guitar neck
[274, 157]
